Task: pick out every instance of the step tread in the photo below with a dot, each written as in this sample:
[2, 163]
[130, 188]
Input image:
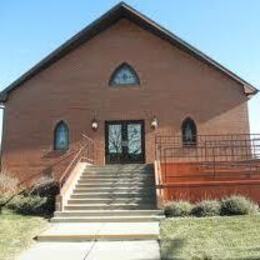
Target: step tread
[118, 211]
[109, 199]
[113, 185]
[94, 207]
[152, 211]
[120, 188]
[117, 177]
[96, 237]
[110, 193]
[110, 231]
[136, 217]
[113, 204]
[108, 202]
[93, 190]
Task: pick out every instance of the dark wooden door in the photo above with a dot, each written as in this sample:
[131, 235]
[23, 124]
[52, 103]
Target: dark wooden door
[125, 142]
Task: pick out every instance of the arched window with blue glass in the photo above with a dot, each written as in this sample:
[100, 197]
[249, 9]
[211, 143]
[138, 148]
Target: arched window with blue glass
[61, 136]
[189, 132]
[124, 75]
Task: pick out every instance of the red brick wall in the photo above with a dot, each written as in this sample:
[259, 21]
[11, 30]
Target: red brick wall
[194, 181]
[173, 85]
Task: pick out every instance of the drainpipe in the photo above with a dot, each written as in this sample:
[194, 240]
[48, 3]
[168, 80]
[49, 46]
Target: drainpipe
[2, 107]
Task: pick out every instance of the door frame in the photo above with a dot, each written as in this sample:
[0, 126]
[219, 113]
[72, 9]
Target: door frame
[122, 122]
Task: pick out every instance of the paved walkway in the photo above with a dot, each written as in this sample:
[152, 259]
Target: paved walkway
[96, 241]
[100, 250]
[78, 232]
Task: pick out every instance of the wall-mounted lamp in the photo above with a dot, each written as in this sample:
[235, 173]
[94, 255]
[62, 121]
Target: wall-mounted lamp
[94, 124]
[154, 123]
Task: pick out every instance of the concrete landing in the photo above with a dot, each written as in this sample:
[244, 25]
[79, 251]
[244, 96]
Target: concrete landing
[73, 232]
[127, 250]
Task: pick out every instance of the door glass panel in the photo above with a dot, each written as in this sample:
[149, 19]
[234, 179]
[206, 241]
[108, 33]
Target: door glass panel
[134, 136]
[115, 138]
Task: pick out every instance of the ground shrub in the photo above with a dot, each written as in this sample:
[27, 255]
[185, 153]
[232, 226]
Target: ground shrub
[8, 183]
[238, 205]
[3, 199]
[49, 189]
[37, 200]
[207, 208]
[178, 209]
[28, 205]
[45, 187]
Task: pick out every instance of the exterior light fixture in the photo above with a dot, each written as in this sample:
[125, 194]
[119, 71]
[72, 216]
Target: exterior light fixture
[154, 123]
[94, 124]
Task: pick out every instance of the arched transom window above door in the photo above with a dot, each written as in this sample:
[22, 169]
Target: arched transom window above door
[124, 75]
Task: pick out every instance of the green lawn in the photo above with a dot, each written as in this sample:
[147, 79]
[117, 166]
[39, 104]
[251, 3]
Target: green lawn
[17, 232]
[211, 238]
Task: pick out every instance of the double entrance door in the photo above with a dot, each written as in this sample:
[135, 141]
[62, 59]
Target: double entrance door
[124, 142]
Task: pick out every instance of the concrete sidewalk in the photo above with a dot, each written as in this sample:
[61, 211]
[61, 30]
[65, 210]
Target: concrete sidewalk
[80, 232]
[100, 250]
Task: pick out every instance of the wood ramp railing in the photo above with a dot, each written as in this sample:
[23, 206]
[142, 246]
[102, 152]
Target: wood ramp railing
[207, 168]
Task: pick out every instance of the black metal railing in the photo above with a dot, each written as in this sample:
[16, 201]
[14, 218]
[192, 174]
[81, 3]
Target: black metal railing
[213, 154]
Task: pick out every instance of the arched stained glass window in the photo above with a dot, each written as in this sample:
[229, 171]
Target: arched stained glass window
[61, 136]
[124, 75]
[189, 132]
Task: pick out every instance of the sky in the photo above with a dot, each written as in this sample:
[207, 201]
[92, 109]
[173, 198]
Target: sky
[227, 31]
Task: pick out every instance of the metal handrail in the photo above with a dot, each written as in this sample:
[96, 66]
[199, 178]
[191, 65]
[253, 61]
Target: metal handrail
[87, 148]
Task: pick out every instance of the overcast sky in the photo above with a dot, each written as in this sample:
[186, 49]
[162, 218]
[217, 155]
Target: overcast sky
[226, 30]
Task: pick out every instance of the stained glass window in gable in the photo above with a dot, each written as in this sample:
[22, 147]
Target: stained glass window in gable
[124, 75]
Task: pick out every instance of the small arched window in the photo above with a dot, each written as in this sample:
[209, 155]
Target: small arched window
[189, 132]
[61, 136]
[124, 75]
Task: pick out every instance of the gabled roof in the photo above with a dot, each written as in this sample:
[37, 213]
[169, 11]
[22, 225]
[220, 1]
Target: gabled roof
[122, 10]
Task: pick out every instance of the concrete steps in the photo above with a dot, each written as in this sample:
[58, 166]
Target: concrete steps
[108, 213]
[110, 185]
[118, 179]
[116, 194]
[114, 177]
[109, 200]
[112, 189]
[115, 202]
[107, 219]
[112, 206]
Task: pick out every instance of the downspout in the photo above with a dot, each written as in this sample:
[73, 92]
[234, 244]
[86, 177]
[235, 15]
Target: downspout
[2, 106]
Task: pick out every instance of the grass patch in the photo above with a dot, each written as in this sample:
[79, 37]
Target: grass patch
[236, 237]
[17, 232]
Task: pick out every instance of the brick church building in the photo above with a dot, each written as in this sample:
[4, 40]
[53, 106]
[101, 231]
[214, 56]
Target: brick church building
[121, 87]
